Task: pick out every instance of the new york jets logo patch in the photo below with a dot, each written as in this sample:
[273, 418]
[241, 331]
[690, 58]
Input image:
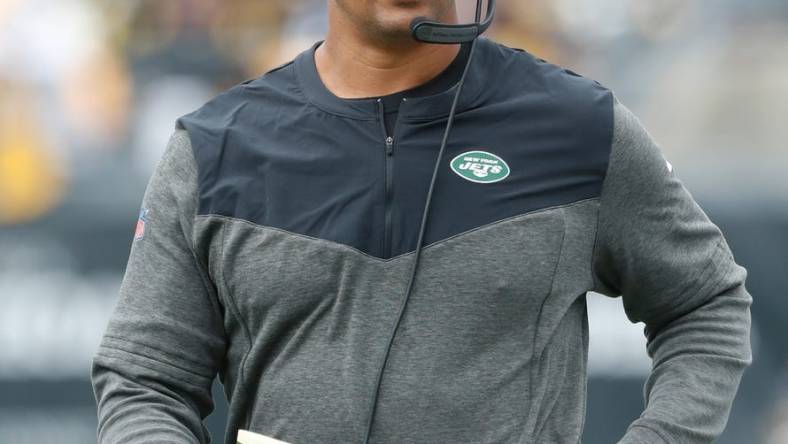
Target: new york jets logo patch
[480, 166]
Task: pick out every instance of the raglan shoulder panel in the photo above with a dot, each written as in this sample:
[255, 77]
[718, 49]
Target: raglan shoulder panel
[566, 121]
[225, 128]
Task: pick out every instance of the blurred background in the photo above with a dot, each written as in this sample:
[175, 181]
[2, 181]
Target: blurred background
[90, 90]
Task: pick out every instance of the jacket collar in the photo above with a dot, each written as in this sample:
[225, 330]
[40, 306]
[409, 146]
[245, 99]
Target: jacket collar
[420, 108]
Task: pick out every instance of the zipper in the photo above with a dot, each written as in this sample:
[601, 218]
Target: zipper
[389, 143]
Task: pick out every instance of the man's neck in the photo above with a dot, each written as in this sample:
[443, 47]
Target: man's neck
[351, 66]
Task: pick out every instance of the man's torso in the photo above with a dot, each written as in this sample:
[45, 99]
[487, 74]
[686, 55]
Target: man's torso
[308, 221]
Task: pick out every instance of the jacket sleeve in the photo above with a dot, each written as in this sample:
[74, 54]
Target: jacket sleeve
[163, 345]
[672, 266]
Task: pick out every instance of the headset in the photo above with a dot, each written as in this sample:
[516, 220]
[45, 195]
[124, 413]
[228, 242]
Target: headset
[424, 30]
[428, 31]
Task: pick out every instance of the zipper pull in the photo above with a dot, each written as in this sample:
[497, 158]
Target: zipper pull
[389, 145]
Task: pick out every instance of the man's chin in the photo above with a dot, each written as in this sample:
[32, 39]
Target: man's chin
[391, 24]
[400, 13]
[395, 31]
[400, 25]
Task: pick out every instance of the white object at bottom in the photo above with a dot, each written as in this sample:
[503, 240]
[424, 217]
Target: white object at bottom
[247, 437]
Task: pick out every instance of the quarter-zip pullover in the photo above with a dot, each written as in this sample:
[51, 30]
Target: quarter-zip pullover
[274, 247]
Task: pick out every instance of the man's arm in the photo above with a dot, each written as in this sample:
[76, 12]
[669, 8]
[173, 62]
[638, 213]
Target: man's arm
[657, 248]
[164, 343]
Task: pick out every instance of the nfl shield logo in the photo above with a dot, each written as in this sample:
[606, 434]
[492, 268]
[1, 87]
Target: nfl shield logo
[139, 232]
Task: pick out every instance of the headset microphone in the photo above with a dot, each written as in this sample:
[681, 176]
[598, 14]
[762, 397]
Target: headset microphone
[427, 31]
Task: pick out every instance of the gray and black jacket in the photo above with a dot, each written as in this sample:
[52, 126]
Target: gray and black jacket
[275, 245]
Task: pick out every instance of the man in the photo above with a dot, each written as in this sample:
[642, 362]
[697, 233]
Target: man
[277, 233]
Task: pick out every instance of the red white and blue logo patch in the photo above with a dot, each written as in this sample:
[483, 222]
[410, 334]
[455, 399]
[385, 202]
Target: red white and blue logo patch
[139, 232]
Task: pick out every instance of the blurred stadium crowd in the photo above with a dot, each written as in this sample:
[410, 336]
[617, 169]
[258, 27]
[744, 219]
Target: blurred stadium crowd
[90, 90]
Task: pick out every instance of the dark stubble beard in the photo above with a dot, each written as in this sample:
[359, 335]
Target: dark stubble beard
[385, 34]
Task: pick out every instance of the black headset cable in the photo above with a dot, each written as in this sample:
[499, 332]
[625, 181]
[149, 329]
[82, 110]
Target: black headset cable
[446, 134]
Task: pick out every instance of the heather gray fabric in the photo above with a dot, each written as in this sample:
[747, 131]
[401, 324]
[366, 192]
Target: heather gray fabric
[657, 247]
[493, 344]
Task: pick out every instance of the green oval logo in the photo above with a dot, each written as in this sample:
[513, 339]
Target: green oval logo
[480, 166]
